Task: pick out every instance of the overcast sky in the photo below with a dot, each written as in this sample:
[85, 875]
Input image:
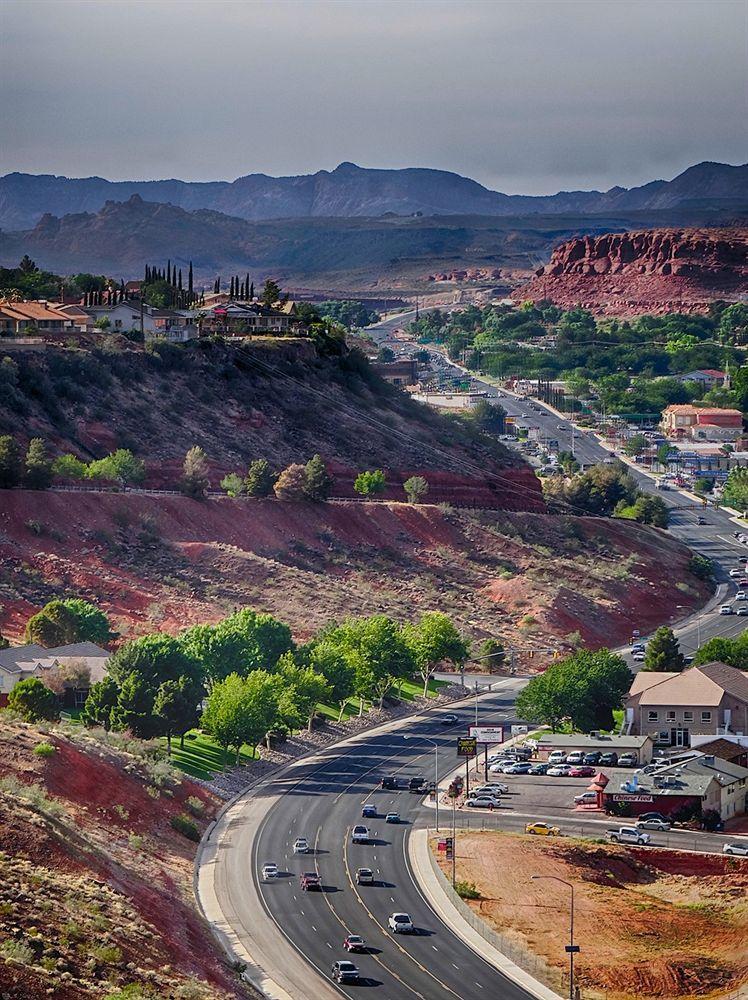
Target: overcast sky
[524, 96]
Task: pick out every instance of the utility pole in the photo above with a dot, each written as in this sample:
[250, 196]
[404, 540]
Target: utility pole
[571, 948]
[454, 842]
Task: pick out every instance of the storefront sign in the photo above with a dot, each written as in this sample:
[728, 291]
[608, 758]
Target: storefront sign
[487, 734]
[632, 798]
[466, 746]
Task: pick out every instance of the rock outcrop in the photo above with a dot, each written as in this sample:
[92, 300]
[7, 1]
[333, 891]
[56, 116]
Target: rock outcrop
[655, 270]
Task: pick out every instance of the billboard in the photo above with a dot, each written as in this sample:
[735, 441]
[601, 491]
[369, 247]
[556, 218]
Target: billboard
[487, 734]
[466, 746]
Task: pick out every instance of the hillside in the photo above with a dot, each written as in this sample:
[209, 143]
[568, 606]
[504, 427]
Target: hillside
[350, 191]
[658, 270]
[166, 562]
[391, 252]
[95, 883]
[276, 399]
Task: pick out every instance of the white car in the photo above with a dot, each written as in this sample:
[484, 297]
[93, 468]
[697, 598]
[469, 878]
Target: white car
[741, 595]
[493, 787]
[653, 824]
[499, 766]
[269, 871]
[726, 609]
[557, 757]
[360, 835]
[736, 572]
[740, 850]
[585, 799]
[400, 923]
[559, 771]
[301, 845]
[639, 657]
[483, 802]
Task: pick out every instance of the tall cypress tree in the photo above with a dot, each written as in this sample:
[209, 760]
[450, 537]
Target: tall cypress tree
[179, 281]
[252, 291]
[190, 288]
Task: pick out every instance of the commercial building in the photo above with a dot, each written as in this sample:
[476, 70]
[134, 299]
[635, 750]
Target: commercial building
[642, 746]
[711, 700]
[700, 782]
[701, 423]
[402, 373]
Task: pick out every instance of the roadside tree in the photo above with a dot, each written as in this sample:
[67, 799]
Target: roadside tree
[433, 640]
[370, 483]
[10, 462]
[232, 484]
[663, 652]
[291, 483]
[318, 480]
[176, 705]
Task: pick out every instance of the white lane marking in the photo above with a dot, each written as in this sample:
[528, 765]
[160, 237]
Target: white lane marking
[478, 984]
[328, 945]
[392, 900]
[314, 928]
[455, 966]
[434, 947]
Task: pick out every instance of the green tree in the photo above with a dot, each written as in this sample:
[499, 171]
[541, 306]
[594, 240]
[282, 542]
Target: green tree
[318, 480]
[337, 669]
[134, 708]
[431, 641]
[733, 652]
[736, 488]
[378, 653]
[546, 700]
[664, 452]
[177, 706]
[100, 703]
[646, 509]
[491, 654]
[663, 652]
[54, 625]
[241, 710]
[259, 480]
[69, 467]
[270, 294]
[308, 687]
[38, 475]
[121, 466]
[157, 658]
[232, 484]
[733, 324]
[10, 462]
[489, 417]
[91, 623]
[635, 445]
[291, 483]
[370, 483]
[416, 488]
[33, 701]
[195, 480]
[245, 641]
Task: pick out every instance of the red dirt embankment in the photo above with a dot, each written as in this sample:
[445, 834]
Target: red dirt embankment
[95, 884]
[167, 562]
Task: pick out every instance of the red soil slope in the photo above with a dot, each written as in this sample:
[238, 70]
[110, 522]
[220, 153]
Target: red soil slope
[167, 562]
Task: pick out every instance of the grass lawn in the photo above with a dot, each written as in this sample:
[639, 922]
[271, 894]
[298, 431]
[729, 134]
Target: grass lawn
[202, 757]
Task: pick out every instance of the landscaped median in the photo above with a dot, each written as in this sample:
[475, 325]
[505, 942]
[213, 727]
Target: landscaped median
[649, 923]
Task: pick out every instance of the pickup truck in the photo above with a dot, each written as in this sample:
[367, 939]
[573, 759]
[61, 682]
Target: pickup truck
[627, 835]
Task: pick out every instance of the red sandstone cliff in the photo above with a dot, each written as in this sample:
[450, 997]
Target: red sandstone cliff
[655, 270]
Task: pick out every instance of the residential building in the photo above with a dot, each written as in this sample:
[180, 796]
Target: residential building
[22, 319]
[704, 423]
[176, 325]
[243, 319]
[711, 699]
[699, 782]
[17, 663]
[708, 378]
[642, 746]
[403, 372]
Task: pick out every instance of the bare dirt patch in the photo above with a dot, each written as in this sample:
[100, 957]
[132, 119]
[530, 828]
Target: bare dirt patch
[650, 924]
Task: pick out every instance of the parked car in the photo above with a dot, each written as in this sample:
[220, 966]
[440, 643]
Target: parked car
[364, 876]
[482, 802]
[609, 759]
[740, 850]
[345, 972]
[559, 771]
[653, 823]
[392, 818]
[539, 769]
[653, 815]
[354, 942]
[736, 572]
[310, 881]
[269, 871]
[593, 757]
[301, 845]
[494, 788]
[557, 757]
[543, 829]
[585, 799]
[575, 757]
[523, 767]
[360, 835]
[628, 760]
[369, 811]
[582, 771]
[627, 835]
[522, 753]
[400, 923]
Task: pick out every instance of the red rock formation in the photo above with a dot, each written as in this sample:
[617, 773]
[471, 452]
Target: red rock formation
[656, 270]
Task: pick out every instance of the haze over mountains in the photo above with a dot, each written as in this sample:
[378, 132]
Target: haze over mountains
[352, 191]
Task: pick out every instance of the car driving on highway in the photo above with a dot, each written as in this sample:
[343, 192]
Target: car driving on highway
[345, 972]
[740, 850]
[364, 876]
[400, 923]
[301, 845]
[360, 835]
[543, 830]
[392, 818]
[310, 881]
[269, 871]
[449, 720]
[369, 811]
[354, 942]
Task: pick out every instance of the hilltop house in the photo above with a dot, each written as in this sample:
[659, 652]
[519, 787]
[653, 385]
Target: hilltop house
[21, 319]
[707, 378]
[17, 663]
[242, 319]
[701, 423]
[711, 700]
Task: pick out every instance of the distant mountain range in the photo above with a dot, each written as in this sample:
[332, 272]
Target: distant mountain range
[350, 191]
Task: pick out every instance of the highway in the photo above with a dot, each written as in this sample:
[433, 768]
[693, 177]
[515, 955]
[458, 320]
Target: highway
[322, 803]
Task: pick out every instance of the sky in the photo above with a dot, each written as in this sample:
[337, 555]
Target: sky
[525, 96]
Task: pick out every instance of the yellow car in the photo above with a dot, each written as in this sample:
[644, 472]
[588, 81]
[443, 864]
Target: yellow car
[543, 829]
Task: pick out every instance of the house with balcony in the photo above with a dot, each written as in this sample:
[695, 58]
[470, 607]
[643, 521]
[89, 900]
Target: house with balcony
[709, 700]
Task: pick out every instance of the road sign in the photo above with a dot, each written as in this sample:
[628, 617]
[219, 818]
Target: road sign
[487, 734]
[466, 746]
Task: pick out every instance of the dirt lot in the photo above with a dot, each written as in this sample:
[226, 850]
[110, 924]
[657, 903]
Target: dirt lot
[666, 924]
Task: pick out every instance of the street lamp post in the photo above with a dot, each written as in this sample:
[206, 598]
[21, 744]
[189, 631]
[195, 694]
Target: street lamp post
[435, 745]
[571, 948]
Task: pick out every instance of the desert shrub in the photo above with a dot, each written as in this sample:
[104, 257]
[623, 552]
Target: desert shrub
[108, 953]
[184, 825]
[44, 750]
[195, 805]
[35, 795]
[135, 842]
[17, 951]
[701, 567]
[121, 811]
[467, 890]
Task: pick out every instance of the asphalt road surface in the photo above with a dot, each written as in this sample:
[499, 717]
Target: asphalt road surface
[323, 807]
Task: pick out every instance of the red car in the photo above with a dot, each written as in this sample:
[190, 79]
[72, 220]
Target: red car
[583, 771]
[310, 881]
[354, 943]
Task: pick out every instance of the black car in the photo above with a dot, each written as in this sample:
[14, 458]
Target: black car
[389, 782]
[538, 768]
[608, 759]
[593, 757]
[416, 784]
